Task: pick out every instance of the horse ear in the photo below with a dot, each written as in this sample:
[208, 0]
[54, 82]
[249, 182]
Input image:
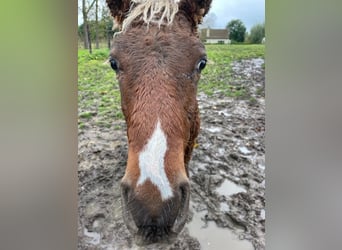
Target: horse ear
[118, 9]
[195, 9]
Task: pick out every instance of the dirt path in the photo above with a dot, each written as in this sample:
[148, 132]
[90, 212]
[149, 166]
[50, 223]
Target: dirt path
[227, 174]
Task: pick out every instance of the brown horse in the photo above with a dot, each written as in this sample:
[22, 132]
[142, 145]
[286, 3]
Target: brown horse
[158, 58]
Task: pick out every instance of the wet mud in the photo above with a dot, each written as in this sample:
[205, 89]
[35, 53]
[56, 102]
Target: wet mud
[227, 174]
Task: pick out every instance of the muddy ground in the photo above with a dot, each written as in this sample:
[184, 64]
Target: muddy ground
[227, 173]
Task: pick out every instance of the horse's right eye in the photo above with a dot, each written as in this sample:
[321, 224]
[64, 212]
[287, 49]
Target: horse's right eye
[201, 64]
[114, 64]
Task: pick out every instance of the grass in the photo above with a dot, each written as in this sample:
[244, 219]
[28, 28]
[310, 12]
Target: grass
[99, 94]
[98, 90]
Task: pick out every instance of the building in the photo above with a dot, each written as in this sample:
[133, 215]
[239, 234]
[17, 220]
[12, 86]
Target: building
[215, 36]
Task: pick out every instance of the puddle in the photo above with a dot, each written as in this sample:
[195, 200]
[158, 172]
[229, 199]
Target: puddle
[262, 214]
[229, 188]
[261, 166]
[213, 237]
[94, 238]
[244, 150]
[214, 129]
[221, 151]
[224, 207]
[201, 166]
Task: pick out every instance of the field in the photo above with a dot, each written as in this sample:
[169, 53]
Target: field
[227, 170]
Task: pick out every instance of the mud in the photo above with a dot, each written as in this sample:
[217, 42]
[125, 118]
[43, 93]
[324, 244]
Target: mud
[227, 173]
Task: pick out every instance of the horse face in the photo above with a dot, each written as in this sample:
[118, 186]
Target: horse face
[158, 67]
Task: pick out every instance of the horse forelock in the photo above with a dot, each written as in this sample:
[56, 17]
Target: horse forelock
[161, 12]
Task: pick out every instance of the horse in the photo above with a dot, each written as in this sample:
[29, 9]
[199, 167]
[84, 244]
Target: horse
[158, 57]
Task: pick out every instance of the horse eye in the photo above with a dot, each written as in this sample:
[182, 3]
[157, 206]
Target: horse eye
[114, 64]
[201, 64]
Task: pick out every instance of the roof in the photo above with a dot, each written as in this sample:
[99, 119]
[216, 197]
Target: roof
[214, 34]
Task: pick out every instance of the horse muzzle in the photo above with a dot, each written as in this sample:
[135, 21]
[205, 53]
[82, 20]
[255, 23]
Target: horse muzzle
[151, 219]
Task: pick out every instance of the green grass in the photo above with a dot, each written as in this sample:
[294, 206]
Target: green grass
[98, 90]
[99, 95]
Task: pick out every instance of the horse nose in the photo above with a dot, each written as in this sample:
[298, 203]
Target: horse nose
[150, 218]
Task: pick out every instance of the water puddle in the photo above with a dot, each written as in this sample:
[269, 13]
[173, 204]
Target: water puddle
[214, 129]
[224, 207]
[229, 188]
[93, 237]
[262, 214]
[213, 237]
[201, 166]
[262, 166]
[244, 150]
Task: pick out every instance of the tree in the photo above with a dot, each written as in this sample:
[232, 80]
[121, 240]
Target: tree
[257, 33]
[97, 23]
[236, 30]
[86, 32]
[107, 20]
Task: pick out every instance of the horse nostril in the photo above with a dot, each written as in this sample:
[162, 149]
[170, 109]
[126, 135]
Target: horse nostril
[184, 191]
[125, 190]
[127, 215]
[182, 214]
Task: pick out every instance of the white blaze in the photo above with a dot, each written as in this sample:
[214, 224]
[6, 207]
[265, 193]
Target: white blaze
[151, 163]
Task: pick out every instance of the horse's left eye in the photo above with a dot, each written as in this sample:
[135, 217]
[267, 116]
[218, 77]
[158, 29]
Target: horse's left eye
[114, 64]
[201, 64]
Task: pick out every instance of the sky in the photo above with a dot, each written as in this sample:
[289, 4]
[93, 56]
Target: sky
[250, 12]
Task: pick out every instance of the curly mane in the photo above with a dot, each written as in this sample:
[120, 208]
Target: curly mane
[161, 12]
